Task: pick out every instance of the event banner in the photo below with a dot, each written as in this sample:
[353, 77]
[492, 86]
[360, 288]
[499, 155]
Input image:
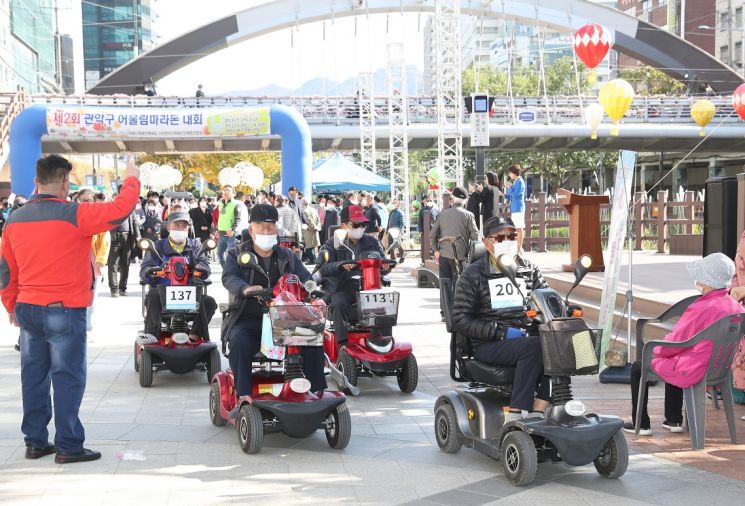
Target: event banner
[616, 237]
[134, 123]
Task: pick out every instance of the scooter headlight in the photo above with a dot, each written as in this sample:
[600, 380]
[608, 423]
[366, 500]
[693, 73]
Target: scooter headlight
[180, 337]
[380, 346]
[299, 385]
[575, 408]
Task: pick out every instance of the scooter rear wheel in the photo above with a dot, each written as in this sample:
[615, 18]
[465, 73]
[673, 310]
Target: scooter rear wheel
[614, 459]
[214, 365]
[146, 369]
[338, 435]
[347, 365]
[215, 417]
[519, 458]
[408, 375]
[446, 429]
[250, 429]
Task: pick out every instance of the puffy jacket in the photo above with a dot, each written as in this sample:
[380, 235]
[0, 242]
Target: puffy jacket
[332, 275]
[473, 315]
[46, 248]
[101, 244]
[684, 367]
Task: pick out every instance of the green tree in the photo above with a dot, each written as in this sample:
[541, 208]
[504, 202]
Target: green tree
[560, 79]
[649, 81]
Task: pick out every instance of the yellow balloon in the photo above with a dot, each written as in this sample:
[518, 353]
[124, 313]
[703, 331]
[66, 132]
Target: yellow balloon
[615, 96]
[702, 112]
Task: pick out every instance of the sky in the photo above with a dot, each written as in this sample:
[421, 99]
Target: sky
[280, 57]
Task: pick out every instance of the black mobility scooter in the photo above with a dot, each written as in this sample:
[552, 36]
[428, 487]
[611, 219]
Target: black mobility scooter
[474, 414]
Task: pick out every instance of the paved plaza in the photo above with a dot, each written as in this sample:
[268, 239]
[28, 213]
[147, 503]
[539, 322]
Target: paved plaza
[159, 446]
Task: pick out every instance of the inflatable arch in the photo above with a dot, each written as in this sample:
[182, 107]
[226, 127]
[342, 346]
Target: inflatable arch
[34, 122]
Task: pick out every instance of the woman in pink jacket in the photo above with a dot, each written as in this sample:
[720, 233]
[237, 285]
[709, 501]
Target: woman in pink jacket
[683, 367]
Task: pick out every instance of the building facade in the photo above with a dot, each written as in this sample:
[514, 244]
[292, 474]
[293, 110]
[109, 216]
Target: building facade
[114, 32]
[728, 33]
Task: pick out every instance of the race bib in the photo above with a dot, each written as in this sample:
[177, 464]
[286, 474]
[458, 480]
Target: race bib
[504, 294]
[181, 297]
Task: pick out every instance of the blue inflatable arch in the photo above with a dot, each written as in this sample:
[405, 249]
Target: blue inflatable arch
[30, 126]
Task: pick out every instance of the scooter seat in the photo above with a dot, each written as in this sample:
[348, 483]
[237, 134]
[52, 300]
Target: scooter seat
[490, 374]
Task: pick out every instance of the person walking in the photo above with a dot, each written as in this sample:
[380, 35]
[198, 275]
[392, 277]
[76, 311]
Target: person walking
[46, 281]
[228, 219]
[515, 194]
[311, 228]
[201, 219]
[489, 197]
[123, 240]
[330, 218]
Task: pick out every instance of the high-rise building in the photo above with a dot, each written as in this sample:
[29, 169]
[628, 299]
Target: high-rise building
[66, 64]
[728, 33]
[114, 32]
[27, 51]
[698, 19]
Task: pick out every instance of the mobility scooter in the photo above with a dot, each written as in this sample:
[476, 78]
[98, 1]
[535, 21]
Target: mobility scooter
[281, 400]
[474, 414]
[180, 300]
[371, 349]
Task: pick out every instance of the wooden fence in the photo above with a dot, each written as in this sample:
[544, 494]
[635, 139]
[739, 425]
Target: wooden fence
[674, 224]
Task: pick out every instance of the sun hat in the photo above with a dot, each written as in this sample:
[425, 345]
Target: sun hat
[715, 270]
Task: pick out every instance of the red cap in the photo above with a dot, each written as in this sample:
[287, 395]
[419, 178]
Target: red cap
[355, 214]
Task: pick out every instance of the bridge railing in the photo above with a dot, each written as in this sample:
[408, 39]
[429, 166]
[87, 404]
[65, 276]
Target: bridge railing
[422, 109]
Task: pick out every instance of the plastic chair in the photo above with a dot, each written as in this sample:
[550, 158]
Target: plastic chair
[674, 311]
[725, 335]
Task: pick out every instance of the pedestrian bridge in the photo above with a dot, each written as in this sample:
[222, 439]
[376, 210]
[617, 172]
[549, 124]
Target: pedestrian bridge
[657, 123]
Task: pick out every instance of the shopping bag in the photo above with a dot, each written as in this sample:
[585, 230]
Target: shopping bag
[268, 349]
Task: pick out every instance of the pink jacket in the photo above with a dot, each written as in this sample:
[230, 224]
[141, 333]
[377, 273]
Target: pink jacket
[684, 367]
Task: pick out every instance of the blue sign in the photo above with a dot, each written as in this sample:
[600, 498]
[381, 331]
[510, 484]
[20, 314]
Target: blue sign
[526, 116]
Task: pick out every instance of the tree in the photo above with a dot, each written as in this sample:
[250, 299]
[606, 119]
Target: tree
[560, 79]
[649, 81]
[210, 164]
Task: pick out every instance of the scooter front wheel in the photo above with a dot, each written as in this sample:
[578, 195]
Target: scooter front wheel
[446, 429]
[214, 364]
[408, 375]
[250, 429]
[339, 430]
[614, 459]
[146, 369]
[519, 458]
[347, 365]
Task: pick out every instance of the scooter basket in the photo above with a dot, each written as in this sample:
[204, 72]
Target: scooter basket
[570, 347]
[378, 308]
[297, 324]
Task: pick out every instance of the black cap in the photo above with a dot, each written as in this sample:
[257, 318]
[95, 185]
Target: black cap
[496, 224]
[263, 213]
[292, 189]
[459, 192]
[179, 216]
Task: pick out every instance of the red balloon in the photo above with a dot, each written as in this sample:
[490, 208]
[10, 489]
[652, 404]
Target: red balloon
[738, 101]
[591, 43]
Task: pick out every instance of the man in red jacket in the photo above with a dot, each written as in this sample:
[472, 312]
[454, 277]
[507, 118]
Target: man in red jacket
[46, 289]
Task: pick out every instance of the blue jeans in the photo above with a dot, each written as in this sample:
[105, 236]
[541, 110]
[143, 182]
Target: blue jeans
[225, 243]
[53, 351]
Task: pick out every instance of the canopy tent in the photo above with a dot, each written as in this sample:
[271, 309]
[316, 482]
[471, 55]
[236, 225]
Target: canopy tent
[337, 174]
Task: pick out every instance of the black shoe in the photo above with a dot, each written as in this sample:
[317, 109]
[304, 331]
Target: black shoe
[34, 453]
[123, 293]
[17, 346]
[70, 458]
[643, 431]
[115, 293]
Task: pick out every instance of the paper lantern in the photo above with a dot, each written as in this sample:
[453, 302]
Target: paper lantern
[738, 101]
[251, 175]
[593, 115]
[591, 43]
[229, 176]
[616, 96]
[702, 112]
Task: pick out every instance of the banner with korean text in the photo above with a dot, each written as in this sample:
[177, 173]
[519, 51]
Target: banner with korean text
[622, 193]
[140, 123]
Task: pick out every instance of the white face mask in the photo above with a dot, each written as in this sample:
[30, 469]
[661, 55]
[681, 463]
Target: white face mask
[265, 242]
[179, 236]
[151, 208]
[505, 248]
[330, 206]
[356, 233]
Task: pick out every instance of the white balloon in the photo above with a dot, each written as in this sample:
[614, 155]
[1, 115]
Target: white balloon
[253, 177]
[593, 115]
[229, 176]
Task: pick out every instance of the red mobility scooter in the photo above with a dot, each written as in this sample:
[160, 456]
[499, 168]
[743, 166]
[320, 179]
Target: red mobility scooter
[371, 349]
[281, 400]
[180, 300]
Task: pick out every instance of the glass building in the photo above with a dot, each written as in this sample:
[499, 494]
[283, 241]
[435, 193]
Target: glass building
[114, 32]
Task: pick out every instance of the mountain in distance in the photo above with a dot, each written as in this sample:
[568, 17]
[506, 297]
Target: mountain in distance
[328, 87]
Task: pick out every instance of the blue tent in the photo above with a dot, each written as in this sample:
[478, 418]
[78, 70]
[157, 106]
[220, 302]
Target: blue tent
[337, 174]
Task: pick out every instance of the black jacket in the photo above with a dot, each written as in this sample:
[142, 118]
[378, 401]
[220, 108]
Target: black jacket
[333, 276]
[201, 219]
[236, 278]
[373, 215]
[472, 313]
